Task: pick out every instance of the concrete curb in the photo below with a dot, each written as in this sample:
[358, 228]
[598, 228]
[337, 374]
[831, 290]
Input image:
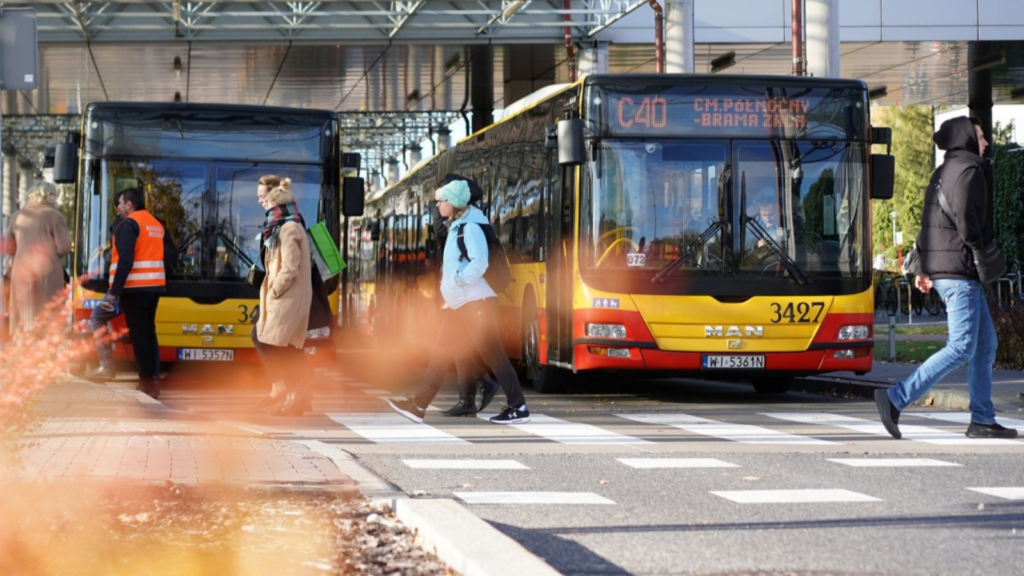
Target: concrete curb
[460, 539]
[466, 542]
[939, 398]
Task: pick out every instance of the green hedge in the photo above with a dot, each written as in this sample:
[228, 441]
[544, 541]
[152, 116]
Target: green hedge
[1008, 168]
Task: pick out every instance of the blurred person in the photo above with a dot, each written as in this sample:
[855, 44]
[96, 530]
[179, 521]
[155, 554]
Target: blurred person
[278, 391]
[102, 313]
[137, 279]
[285, 298]
[471, 323]
[948, 263]
[37, 237]
[466, 406]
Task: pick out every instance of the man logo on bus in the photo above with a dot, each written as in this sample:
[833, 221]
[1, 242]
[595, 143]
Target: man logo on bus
[733, 332]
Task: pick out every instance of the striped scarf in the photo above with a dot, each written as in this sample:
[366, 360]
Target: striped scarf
[276, 217]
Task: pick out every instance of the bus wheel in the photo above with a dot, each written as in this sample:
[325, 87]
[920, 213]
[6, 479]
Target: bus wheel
[545, 379]
[772, 384]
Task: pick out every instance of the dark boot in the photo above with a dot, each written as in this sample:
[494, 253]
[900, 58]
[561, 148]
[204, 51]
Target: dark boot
[490, 388]
[150, 387]
[297, 404]
[461, 408]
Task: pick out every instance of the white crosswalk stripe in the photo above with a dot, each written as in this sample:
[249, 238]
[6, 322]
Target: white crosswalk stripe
[531, 498]
[393, 428]
[566, 432]
[1006, 493]
[793, 496]
[743, 433]
[890, 462]
[659, 463]
[465, 464]
[965, 418]
[862, 426]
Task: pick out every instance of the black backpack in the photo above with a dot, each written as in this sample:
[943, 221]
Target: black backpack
[499, 272]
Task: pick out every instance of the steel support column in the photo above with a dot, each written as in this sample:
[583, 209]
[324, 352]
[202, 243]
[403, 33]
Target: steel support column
[679, 41]
[822, 30]
[481, 68]
[593, 58]
[979, 87]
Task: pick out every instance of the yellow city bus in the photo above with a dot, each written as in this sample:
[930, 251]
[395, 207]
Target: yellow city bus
[707, 225]
[198, 165]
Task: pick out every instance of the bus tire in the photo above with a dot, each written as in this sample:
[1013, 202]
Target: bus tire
[772, 384]
[545, 379]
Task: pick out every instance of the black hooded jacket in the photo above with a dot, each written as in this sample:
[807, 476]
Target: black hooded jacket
[946, 245]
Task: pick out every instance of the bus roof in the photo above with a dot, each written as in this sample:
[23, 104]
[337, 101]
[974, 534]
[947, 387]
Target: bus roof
[726, 79]
[199, 108]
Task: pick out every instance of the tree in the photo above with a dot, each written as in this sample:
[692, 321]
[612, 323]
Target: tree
[1008, 182]
[912, 129]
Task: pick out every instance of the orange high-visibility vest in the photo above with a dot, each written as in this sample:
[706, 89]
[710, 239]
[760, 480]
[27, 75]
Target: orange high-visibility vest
[148, 269]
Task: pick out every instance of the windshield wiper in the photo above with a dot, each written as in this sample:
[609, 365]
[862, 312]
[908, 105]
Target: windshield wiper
[759, 231]
[691, 251]
[232, 247]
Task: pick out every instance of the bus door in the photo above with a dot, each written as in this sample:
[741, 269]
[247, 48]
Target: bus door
[559, 270]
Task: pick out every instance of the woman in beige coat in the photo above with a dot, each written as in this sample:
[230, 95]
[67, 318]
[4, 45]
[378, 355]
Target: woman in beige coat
[37, 238]
[285, 297]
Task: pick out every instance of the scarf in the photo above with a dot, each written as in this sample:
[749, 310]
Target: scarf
[276, 217]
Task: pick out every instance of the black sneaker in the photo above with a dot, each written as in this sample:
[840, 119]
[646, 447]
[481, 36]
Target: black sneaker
[462, 408]
[491, 388]
[512, 416]
[409, 409]
[888, 413]
[993, 430]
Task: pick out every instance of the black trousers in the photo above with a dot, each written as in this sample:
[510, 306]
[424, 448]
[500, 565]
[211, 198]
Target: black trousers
[284, 363]
[465, 333]
[140, 314]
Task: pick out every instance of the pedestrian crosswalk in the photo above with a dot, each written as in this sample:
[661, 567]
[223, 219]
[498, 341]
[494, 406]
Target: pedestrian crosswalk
[819, 429]
[868, 427]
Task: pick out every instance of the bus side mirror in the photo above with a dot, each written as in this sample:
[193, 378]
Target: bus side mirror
[65, 163]
[375, 230]
[570, 142]
[353, 192]
[883, 176]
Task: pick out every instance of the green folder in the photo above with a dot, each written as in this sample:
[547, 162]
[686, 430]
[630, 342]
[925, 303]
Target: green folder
[325, 251]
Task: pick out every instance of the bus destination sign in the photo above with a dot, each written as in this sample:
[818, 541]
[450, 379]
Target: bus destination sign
[652, 112]
[741, 113]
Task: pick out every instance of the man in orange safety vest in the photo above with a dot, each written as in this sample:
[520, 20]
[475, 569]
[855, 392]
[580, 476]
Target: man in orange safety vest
[137, 278]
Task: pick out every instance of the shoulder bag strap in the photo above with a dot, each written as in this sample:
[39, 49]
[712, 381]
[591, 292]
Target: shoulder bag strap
[463, 253]
[944, 204]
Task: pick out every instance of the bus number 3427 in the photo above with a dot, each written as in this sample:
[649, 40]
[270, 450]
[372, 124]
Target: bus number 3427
[797, 313]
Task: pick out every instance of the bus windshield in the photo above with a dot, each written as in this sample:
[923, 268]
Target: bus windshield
[209, 210]
[767, 210]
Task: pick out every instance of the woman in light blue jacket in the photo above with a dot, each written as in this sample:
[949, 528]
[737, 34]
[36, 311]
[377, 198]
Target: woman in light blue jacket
[471, 322]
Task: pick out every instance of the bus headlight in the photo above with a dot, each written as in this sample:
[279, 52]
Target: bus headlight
[844, 355]
[318, 333]
[606, 331]
[854, 332]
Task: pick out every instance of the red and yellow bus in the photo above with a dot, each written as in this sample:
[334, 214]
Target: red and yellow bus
[657, 223]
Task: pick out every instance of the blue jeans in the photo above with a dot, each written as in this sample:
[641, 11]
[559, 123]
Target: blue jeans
[98, 325]
[972, 340]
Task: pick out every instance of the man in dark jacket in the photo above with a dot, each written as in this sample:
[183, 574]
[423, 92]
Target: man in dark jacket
[947, 247]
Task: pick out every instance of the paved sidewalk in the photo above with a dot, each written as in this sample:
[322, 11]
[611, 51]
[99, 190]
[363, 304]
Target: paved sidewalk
[91, 431]
[950, 393]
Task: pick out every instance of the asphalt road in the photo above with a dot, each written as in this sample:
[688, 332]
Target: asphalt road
[688, 477]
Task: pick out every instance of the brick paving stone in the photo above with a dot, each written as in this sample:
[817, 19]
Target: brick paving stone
[77, 440]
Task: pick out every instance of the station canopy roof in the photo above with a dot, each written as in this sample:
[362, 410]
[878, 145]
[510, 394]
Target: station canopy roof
[405, 62]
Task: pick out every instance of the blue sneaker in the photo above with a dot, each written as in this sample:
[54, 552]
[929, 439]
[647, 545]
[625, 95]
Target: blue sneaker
[512, 416]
